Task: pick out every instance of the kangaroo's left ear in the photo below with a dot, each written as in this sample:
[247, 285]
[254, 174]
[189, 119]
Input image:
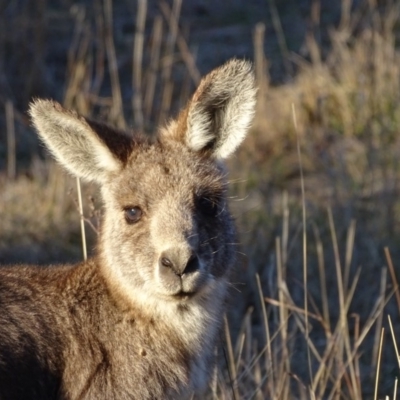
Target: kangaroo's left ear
[220, 112]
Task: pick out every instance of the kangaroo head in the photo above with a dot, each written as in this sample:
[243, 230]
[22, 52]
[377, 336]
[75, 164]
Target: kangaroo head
[167, 235]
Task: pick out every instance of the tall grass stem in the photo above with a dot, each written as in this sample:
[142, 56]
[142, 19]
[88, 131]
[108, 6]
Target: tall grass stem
[82, 219]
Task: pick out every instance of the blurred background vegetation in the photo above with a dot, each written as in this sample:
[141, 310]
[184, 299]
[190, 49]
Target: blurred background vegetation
[317, 282]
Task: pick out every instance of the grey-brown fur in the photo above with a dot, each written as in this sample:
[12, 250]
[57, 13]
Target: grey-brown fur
[140, 320]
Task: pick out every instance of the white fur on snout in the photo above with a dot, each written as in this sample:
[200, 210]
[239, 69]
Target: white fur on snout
[173, 231]
[191, 282]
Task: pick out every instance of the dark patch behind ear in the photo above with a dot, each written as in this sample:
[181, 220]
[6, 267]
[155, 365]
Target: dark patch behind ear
[119, 143]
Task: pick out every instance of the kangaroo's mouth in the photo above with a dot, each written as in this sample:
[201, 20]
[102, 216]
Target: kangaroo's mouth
[182, 295]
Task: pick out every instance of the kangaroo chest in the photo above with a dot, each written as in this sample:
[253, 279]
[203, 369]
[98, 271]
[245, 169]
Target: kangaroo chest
[132, 361]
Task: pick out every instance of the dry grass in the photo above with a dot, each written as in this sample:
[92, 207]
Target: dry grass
[43, 209]
[325, 324]
[312, 321]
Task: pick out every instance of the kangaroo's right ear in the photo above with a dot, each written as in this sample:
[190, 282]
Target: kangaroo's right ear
[88, 149]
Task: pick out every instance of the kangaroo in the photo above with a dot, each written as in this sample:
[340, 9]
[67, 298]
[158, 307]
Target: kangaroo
[139, 320]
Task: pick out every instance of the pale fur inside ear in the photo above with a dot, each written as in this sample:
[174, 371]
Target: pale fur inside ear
[72, 141]
[221, 110]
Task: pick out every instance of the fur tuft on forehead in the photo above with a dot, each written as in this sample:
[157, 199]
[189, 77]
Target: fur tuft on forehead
[172, 163]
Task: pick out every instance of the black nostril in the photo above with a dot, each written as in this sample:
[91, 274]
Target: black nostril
[166, 262]
[175, 262]
[192, 265]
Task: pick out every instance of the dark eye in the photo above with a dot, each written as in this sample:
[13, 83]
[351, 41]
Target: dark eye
[132, 214]
[208, 206]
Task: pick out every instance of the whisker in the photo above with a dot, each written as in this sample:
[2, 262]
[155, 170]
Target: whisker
[238, 180]
[208, 240]
[236, 198]
[233, 287]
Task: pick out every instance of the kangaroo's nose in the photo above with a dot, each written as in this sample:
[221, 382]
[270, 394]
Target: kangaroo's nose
[178, 263]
